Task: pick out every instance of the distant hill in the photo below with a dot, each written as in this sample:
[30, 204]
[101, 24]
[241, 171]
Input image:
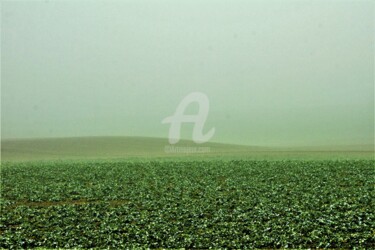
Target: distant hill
[145, 147]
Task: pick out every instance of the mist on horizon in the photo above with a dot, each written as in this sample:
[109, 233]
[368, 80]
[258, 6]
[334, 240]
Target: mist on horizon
[275, 73]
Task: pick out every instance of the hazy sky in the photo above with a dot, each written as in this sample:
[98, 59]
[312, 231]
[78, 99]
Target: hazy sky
[275, 72]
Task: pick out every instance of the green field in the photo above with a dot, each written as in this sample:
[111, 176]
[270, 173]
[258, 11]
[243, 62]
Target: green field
[162, 124]
[126, 192]
[190, 204]
[134, 148]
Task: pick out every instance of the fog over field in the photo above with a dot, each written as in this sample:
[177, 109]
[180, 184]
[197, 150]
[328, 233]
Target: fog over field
[191, 124]
[277, 73]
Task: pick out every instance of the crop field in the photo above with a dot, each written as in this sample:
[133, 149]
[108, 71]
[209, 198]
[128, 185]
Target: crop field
[188, 204]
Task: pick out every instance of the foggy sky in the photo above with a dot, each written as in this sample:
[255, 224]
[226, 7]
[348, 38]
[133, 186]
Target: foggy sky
[275, 72]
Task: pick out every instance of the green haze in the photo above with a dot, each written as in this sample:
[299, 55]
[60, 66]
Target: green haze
[277, 73]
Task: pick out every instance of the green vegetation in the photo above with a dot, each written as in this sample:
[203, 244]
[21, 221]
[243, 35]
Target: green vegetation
[104, 148]
[191, 204]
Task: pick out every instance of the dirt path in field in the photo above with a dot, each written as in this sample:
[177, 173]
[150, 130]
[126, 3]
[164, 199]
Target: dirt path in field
[67, 202]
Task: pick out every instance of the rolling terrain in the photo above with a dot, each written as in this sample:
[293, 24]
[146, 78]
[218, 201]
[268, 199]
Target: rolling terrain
[82, 148]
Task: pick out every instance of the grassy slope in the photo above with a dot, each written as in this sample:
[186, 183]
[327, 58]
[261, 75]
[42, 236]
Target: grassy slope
[143, 147]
